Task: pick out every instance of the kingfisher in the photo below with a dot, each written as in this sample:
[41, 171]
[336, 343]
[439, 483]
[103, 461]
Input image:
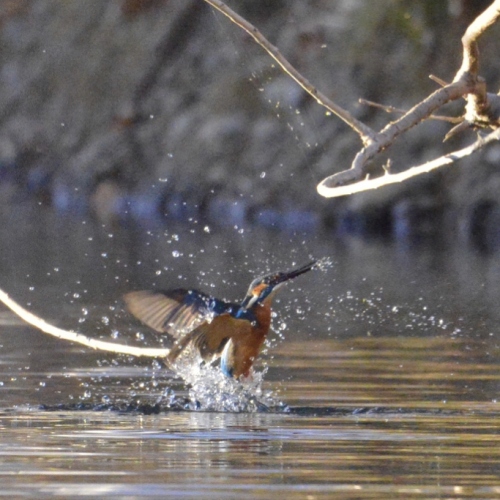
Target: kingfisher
[214, 328]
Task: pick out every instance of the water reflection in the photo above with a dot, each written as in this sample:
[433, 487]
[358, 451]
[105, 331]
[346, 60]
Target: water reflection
[255, 456]
[388, 364]
[428, 310]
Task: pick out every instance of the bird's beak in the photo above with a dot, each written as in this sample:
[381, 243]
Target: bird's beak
[280, 278]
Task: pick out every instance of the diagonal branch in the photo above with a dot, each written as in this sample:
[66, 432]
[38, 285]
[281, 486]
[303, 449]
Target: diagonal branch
[387, 136]
[369, 184]
[365, 132]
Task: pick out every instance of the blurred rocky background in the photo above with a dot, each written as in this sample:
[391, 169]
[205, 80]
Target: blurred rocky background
[139, 109]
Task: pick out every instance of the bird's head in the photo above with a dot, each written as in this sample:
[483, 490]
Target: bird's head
[264, 287]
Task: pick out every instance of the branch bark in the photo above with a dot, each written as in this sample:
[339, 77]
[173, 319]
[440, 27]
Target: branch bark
[470, 61]
[387, 136]
[369, 184]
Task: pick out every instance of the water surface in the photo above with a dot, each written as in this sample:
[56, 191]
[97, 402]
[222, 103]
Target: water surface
[384, 369]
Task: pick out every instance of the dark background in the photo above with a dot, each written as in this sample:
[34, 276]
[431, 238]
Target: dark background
[154, 108]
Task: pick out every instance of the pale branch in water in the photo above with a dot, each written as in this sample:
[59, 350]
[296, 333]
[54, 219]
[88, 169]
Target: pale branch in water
[78, 338]
[482, 109]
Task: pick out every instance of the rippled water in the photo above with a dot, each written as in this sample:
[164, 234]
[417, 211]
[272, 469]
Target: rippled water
[384, 370]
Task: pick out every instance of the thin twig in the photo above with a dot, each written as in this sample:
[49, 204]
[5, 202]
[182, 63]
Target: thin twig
[438, 80]
[365, 132]
[400, 111]
[457, 129]
[78, 338]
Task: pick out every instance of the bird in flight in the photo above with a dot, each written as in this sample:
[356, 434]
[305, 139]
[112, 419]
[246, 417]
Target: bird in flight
[212, 327]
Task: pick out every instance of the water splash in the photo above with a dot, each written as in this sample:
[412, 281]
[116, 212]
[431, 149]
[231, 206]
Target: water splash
[190, 385]
[323, 264]
[211, 390]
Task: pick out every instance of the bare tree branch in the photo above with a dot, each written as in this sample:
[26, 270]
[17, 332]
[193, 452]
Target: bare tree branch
[369, 184]
[78, 338]
[479, 112]
[470, 62]
[387, 135]
[364, 131]
[482, 109]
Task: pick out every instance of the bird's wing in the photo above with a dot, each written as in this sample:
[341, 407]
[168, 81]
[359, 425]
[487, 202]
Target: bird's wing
[210, 337]
[176, 312]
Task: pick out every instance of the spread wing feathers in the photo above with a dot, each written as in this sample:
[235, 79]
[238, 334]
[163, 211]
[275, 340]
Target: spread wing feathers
[175, 312]
[210, 337]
